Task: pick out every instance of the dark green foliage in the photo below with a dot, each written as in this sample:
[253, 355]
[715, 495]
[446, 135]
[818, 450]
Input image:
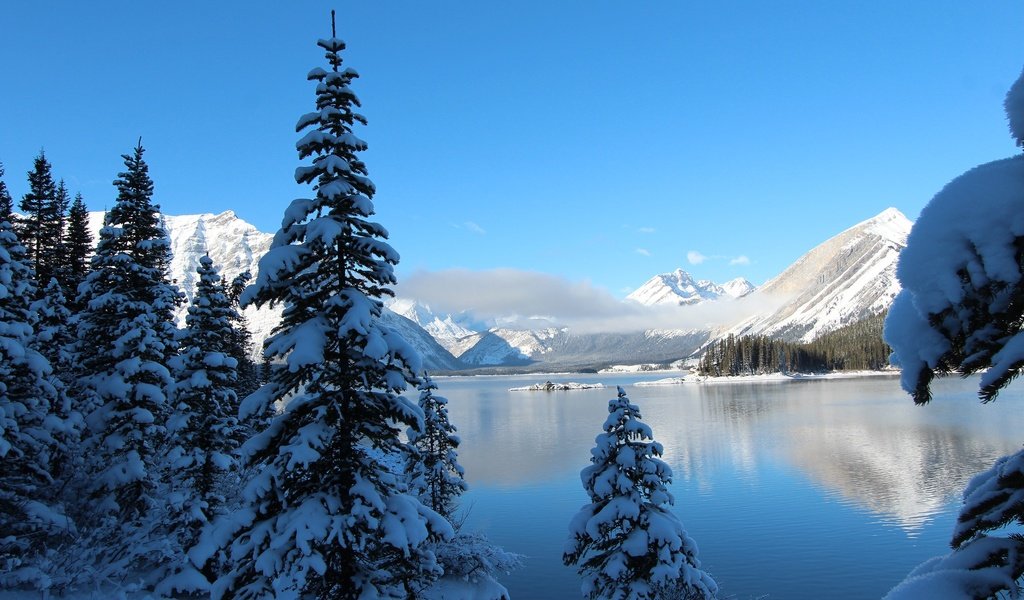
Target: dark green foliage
[437, 475]
[6, 202]
[856, 347]
[241, 347]
[78, 247]
[36, 229]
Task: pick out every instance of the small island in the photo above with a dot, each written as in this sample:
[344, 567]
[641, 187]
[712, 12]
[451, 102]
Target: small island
[547, 386]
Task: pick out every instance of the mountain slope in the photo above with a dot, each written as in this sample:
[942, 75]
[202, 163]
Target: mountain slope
[841, 281]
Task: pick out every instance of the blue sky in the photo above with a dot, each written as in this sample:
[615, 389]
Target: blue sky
[594, 141]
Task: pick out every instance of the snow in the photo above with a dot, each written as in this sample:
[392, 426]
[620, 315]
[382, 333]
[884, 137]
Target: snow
[969, 227]
[548, 386]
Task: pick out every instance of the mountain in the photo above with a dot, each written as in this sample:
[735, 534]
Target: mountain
[679, 287]
[841, 281]
[737, 288]
[448, 330]
[235, 247]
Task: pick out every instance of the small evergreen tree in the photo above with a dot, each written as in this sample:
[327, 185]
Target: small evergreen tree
[322, 517]
[241, 346]
[30, 517]
[78, 246]
[437, 473]
[205, 425]
[626, 542]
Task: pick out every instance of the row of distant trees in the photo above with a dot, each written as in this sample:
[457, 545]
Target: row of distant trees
[854, 347]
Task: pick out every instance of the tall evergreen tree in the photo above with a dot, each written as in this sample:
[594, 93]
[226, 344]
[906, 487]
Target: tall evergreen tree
[6, 202]
[125, 337]
[30, 517]
[437, 474]
[40, 209]
[627, 542]
[205, 425]
[78, 245]
[322, 517]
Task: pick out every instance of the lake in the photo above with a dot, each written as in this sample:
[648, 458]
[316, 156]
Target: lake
[792, 490]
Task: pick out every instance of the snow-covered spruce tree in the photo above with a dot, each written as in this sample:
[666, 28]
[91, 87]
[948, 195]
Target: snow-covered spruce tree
[322, 517]
[627, 543]
[962, 308]
[54, 340]
[437, 474]
[204, 427]
[78, 247]
[126, 336]
[30, 517]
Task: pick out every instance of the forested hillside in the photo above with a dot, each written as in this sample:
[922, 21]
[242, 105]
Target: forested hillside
[855, 347]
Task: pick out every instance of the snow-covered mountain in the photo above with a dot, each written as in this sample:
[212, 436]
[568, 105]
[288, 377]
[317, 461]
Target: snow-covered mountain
[448, 330]
[235, 247]
[737, 288]
[841, 281]
[679, 287]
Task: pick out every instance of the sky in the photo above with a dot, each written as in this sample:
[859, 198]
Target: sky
[594, 142]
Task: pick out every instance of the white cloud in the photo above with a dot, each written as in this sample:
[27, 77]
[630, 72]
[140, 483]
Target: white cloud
[513, 295]
[695, 258]
[646, 230]
[470, 225]
[742, 259]
[643, 251]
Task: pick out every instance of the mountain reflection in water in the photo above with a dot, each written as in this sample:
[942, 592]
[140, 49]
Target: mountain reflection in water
[762, 465]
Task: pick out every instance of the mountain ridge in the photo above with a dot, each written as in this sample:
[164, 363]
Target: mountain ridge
[849, 276]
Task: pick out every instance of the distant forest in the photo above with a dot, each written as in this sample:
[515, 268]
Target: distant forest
[855, 347]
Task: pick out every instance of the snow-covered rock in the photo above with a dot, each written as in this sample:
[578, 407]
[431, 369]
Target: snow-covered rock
[549, 386]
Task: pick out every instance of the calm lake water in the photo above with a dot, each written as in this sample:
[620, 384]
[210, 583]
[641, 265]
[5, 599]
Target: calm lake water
[792, 490]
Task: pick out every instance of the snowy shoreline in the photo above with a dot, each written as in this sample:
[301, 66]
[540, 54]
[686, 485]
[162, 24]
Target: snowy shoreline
[766, 378]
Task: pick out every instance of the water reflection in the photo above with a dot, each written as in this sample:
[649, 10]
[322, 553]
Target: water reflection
[793, 490]
[862, 440]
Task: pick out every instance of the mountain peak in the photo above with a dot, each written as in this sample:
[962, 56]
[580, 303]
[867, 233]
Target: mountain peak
[679, 287]
[890, 224]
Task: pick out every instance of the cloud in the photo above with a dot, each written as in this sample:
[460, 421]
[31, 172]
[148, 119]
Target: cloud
[695, 258]
[742, 259]
[528, 299]
[646, 230]
[470, 225]
[643, 251]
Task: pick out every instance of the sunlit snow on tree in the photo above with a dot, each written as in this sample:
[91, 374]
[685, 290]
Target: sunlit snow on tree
[962, 309]
[627, 542]
[322, 517]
